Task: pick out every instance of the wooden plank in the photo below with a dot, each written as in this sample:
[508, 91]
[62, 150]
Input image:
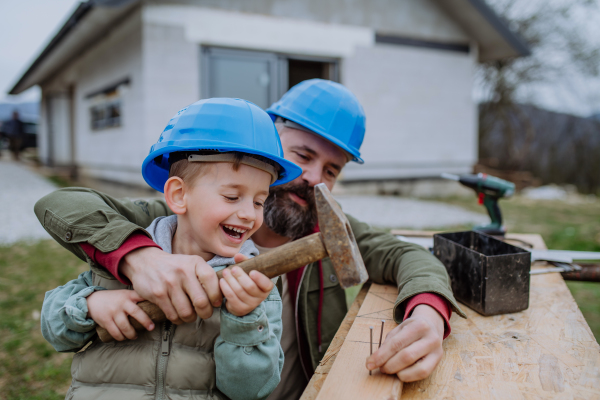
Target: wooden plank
[348, 378]
[546, 351]
[316, 382]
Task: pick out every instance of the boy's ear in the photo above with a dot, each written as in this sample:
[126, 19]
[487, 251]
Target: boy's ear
[175, 195]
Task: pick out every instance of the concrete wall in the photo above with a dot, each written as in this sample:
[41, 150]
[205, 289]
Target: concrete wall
[420, 115]
[171, 77]
[112, 153]
[421, 119]
[414, 18]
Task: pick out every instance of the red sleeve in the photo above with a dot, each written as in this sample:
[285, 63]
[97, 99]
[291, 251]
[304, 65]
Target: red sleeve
[111, 260]
[433, 300]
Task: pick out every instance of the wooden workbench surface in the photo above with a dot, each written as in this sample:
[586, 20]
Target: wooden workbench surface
[546, 351]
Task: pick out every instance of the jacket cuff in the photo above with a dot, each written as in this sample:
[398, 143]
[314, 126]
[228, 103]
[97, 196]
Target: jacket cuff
[250, 330]
[111, 260]
[436, 302]
[74, 312]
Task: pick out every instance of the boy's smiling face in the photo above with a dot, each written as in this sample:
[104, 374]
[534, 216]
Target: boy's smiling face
[219, 210]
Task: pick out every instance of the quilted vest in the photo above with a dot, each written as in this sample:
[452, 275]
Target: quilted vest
[171, 362]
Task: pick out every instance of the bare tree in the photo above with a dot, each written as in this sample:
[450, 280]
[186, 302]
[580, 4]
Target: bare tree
[561, 46]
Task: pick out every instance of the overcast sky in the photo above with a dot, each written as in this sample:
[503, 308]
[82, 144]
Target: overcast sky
[26, 27]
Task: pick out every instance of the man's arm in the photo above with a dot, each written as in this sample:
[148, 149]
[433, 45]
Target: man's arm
[414, 348]
[77, 215]
[409, 266]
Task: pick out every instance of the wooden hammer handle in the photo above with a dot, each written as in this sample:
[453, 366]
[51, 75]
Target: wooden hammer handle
[278, 261]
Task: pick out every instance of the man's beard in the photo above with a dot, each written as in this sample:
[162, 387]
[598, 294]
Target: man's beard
[287, 218]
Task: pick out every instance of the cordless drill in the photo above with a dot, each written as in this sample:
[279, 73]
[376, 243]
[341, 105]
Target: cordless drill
[489, 189]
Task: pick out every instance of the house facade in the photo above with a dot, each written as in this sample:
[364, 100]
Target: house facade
[118, 70]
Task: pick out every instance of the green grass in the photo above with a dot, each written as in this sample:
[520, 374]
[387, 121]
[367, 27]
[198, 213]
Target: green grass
[29, 367]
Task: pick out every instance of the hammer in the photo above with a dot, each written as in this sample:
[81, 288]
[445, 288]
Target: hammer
[335, 241]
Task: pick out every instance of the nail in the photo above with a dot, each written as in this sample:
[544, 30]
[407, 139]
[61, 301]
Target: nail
[151, 327]
[381, 334]
[370, 366]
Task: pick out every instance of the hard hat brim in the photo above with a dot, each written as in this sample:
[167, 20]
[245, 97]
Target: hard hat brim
[156, 175]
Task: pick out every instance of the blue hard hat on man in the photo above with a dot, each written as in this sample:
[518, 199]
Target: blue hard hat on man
[327, 109]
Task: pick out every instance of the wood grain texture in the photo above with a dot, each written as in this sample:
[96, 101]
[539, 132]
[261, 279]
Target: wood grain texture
[546, 351]
[316, 382]
[348, 378]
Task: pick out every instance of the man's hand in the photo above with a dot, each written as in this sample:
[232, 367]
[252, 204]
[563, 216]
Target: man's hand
[182, 286]
[414, 348]
[111, 308]
[244, 292]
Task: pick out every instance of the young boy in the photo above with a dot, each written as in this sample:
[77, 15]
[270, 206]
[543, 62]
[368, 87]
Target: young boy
[215, 161]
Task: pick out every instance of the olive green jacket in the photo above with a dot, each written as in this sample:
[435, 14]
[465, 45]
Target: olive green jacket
[76, 215]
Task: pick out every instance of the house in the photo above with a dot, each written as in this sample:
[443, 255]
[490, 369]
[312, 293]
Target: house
[117, 70]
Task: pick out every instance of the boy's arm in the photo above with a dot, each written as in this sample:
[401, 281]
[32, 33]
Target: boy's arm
[248, 354]
[64, 320]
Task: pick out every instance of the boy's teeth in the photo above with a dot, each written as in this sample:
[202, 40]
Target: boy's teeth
[235, 229]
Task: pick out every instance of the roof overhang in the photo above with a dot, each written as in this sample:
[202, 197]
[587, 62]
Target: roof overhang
[88, 23]
[480, 22]
[94, 18]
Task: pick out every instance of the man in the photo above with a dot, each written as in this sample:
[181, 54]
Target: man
[321, 125]
[15, 134]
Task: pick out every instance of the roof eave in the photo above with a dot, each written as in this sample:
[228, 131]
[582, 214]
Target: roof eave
[73, 20]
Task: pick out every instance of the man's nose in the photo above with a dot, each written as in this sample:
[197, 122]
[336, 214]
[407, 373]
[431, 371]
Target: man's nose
[312, 175]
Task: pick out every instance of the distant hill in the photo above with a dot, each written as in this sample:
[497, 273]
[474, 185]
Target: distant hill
[555, 147]
[28, 112]
[595, 116]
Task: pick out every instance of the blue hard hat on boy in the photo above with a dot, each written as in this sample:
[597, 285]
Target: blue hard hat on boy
[327, 109]
[222, 125]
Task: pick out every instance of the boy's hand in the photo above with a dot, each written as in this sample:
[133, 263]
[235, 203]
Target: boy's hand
[413, 349]
[244, 292]
[111, 308]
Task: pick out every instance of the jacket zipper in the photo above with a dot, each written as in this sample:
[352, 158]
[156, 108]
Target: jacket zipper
[163, 358]
[297, 324]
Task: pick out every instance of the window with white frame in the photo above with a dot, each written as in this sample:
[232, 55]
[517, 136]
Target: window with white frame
[105, 107]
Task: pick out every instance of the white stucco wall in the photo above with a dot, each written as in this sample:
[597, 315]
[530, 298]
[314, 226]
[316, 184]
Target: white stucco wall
[171, 76]
[421, 118]
[112, 153]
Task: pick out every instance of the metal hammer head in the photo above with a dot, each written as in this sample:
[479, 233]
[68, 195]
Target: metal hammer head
[339, 239]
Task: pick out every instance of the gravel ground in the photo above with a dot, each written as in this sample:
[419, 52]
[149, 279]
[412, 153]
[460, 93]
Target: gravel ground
[397, 212]
[20, 188]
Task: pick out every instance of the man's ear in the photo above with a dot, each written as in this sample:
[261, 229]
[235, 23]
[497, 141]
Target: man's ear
[175, 195]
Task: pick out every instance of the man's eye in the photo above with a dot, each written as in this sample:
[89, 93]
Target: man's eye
[302, 156]
[331, 174]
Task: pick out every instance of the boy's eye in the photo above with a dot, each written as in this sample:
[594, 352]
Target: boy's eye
[258, 204]
[230, 198]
